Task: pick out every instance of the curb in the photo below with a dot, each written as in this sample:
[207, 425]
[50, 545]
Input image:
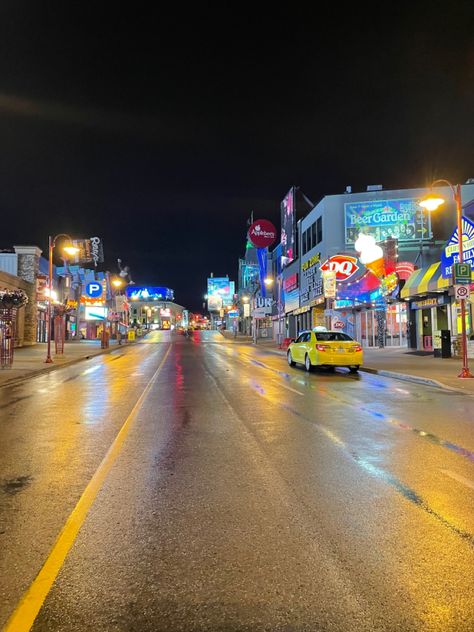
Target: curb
[417, 379]
[56, 367]
[405, 377]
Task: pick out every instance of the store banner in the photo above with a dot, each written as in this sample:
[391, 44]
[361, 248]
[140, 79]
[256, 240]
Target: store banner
[89, 251]
[329, 283]
[450, 254]
[288, 228]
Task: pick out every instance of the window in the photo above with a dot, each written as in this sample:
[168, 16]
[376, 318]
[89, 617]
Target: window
[314, 238]
[319, 229]
[301, 338]
[305, 236]
[332, 336]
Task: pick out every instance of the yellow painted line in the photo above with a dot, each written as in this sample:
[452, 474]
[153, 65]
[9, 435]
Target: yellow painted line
[30, 604]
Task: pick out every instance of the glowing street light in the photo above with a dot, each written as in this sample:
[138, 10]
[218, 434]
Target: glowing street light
[69, 249]
[268, 281]
[117, 283]
[431, 202]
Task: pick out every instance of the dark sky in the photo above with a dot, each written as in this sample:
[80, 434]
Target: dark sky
[161, 130]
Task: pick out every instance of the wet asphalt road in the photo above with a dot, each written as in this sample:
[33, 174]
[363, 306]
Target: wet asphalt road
[245, 496]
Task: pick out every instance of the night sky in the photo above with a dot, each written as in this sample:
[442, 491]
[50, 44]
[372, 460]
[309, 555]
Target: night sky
[161, 131]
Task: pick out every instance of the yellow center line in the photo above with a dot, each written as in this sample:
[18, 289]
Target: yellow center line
[30, 604]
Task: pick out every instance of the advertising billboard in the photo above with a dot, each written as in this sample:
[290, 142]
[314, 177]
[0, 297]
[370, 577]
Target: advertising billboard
[288, 227]
[221, 287]
[402, 219]
[89, 251]
[141, 293]
[93, 312]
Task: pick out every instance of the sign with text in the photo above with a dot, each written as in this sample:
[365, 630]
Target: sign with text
[402, 219]
[344, 266]
[329, 283]
[450, 254]
[89, 251]
[462, 273]
[262, 233]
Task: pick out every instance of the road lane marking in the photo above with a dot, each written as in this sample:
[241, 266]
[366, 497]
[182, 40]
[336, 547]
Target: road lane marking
[361, 407]
[30, 604]
[365, 463]
[459, 478]
[288, 388]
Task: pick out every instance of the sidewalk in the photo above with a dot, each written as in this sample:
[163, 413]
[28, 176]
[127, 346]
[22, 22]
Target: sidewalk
[397, 363]
[29, 361]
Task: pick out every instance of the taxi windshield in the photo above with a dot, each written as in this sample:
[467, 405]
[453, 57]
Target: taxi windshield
[332, 336]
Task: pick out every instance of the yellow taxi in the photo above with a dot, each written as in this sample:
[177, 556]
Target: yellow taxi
[325, 349]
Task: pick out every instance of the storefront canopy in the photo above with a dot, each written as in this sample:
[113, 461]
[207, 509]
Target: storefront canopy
[427, 280]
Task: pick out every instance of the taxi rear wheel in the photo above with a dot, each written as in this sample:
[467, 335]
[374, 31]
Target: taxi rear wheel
[354, 369]
[307, 363]
[290, 359]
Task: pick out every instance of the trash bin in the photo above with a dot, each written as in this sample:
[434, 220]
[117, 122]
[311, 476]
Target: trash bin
[445, 343]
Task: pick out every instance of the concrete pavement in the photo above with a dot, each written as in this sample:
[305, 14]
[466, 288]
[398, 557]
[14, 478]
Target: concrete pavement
[30, 361]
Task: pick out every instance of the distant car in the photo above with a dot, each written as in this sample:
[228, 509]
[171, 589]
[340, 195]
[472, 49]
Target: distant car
[325, 349]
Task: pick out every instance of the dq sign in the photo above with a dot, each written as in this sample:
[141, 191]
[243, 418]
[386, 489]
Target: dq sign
[343, 265]
[262, 233]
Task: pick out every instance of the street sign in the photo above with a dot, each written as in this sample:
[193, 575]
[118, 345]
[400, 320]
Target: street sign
[94, 289]
[462, 273]
[461, 292]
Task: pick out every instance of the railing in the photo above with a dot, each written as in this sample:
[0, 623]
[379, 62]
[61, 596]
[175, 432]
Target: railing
[7, 336]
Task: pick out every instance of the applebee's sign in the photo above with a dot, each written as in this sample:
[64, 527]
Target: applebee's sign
[262, 233]
[343, 265]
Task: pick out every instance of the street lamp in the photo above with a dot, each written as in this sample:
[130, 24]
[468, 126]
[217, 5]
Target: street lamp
[117, 283]
[68, 249]
[431, 203]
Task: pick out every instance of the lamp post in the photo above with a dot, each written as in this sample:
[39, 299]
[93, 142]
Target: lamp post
[431, 203]
[70, 250]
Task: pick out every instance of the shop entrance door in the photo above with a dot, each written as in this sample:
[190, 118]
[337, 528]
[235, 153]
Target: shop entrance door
[395, 329]
[396, 325]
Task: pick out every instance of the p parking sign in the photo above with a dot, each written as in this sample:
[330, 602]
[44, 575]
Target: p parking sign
[462, 273]
[94, 289]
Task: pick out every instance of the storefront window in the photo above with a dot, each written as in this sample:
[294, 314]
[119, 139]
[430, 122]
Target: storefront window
[396, 327]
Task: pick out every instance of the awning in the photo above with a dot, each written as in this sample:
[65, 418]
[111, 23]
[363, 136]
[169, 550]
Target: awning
[427, 280]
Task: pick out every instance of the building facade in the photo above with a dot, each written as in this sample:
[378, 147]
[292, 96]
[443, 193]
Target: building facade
[402, 307]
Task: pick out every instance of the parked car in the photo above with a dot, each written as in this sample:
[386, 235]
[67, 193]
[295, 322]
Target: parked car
[325, 349]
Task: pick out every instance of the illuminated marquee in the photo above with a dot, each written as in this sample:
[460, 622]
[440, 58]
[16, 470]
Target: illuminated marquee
[143, 293]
